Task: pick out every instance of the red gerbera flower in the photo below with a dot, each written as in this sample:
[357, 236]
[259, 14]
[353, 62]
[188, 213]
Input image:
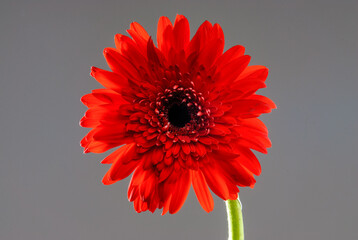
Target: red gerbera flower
[186, 112]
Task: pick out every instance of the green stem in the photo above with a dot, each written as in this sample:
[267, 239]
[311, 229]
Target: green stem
[235, 220]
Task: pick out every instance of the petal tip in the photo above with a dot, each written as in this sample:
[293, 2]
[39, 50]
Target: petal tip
[93, 71]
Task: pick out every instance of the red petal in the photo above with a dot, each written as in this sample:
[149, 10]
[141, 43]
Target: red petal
[103, 114]
[164, 34]
[229, 55]
[231, 71]
[235, 173]
[209, 42]
[139, 31]
[220, 130]
[249, 143]
[248, 108]
[227, 120]
[99, 147]
[180, 192]
[251, 79]
[147, 187]
[116, 154]
[200, 149]
[176, 149]
[128, 48]
[120, 170]
[264, 100]
[202, 191]
[207, 140]
[254, 123]
[217, 32]
[185, 148]
[211, 52]
[166, 206]
[101, 97]
[88, 123]
[107, 95]
[94, 146]
[157, 155]
[249, 160]
[254, 135]
[139, 35]
[120, 64]
[216, 182]
[200, 38]
[111, 133]
[108, 79]
[222, 154]
[152, 54]
[164, 174]
[181, 32]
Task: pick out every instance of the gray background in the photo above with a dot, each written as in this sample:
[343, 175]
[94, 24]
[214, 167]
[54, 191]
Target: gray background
[50, 190]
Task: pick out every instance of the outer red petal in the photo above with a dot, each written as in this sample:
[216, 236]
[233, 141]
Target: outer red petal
[180, 192]
[248, 108]
[123, 164]
[164, 34]
[102, 97]
[202, 191]
[229, 55]
[248, 160]
[253, 135]
[251, 79]
[140, 36]
[249, 143]
[197, 43]
[91, 145]
[254, 123]
[152, 54]
[234, 172]
[108, 79]
[231, 71]
[181, 32]
[216, 182]
[119, 64]
[128, 48]
[98, 115]
[264, 100]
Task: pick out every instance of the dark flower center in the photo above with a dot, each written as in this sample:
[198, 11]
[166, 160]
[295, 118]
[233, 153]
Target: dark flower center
[181, 111]
[178, 115]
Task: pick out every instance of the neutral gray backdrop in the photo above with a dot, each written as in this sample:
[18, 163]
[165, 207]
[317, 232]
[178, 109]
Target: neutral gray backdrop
[49, 190]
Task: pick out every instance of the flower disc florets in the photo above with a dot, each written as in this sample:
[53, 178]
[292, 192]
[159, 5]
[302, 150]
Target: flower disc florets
[182, 111]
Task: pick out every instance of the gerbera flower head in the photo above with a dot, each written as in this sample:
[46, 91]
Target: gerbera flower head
[184, 111]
